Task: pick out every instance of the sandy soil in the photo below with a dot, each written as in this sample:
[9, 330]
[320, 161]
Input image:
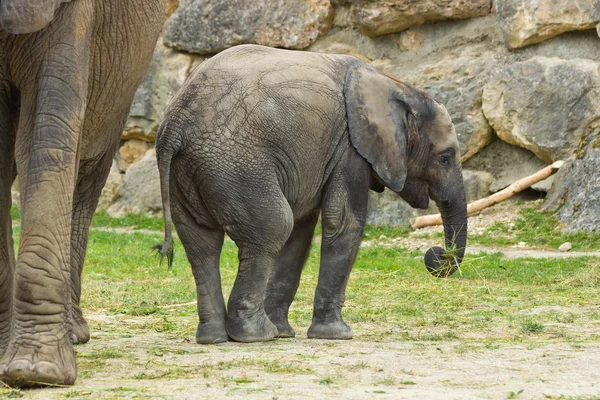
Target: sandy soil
[159, 366]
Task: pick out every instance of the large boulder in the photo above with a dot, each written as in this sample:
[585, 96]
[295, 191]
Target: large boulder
[546, 105]
[506, 164]
[139, 190]
[209, 26]
[576, 191]
[167, 72]
[380, 17]
[528, 22]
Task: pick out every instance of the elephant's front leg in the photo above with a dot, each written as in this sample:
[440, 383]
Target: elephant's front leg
[7, 176]
[40, 349]
[286, 272]
[91, 179]
[343, 218]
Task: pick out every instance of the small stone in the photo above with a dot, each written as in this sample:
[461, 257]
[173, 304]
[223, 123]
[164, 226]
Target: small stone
[566, 246]
[522, 244]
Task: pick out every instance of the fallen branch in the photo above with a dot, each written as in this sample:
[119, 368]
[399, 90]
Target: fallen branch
[478, 205]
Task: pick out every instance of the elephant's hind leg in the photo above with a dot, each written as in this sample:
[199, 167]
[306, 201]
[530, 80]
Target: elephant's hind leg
[285, 275]
[7, 175]
[203, 248]
[267, 225]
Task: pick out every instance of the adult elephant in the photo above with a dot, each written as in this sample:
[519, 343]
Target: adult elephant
[68, 73]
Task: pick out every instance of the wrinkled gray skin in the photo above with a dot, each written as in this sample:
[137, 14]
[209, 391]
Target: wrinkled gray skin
[259, 142]
[68, 73]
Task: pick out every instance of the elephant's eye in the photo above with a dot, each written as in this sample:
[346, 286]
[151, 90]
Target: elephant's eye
[445, 160]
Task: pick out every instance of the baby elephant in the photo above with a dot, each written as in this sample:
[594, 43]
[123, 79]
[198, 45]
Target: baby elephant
[259, 142]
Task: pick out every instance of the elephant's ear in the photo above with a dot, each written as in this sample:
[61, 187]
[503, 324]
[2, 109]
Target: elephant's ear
[381, 124]
[26, 16]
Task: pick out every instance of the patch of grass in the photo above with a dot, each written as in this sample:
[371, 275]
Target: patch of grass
[10, 393]
[326, 381]
[530, 326]
[134, 221]
[72, 394]
[101, 355]
[15, 213]
[538, 229]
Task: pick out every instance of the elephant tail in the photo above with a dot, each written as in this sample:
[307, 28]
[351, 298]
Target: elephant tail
[166, 148]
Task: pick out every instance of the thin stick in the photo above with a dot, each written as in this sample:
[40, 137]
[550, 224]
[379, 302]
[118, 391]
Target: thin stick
[478, 205]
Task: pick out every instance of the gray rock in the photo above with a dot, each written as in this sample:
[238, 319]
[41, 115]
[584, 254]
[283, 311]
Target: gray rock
[576, 191]
[209, 26]
[167, 72]
[566, 246]
[375, 17]
[507, 164]
[110, 192]
[546, 105]
[139, 191]
[15, 195]
[528, 22]
[477, 184]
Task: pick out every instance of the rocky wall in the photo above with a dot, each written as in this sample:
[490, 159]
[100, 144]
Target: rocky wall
[520, 79]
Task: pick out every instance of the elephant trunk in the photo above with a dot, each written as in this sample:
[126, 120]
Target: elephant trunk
[440, 262]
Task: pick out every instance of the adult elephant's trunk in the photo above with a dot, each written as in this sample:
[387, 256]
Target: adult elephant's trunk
[453, 208]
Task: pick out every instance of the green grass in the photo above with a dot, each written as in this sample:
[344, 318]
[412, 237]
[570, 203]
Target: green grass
[389, 286]
[133, 221]
[536, 228]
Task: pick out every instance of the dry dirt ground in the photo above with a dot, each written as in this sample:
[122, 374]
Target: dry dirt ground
[173, 368]
[151, 364]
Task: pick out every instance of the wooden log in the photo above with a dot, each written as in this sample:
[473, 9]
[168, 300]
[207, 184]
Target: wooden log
[478, 205]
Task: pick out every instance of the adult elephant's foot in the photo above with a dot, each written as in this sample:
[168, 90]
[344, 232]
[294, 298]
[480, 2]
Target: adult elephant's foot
[31, 365]
[257, 328]
[336, 329]
[211, 332]
[280, 320]
[81, 330]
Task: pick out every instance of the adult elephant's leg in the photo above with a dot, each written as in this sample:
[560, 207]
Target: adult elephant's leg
[91, 178]
[203, 249]
[342, 219]
[7, 176]
[267, 225]
[285, 275]
[52, 111]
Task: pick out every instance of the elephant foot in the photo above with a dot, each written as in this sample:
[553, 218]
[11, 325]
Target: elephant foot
[209, 333]
[337, 330]
[81, 330]
[255, 329]
[284, 329]
[25, 366]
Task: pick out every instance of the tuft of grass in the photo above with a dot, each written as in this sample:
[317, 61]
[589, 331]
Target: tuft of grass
[15, 213]
[530, 326]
